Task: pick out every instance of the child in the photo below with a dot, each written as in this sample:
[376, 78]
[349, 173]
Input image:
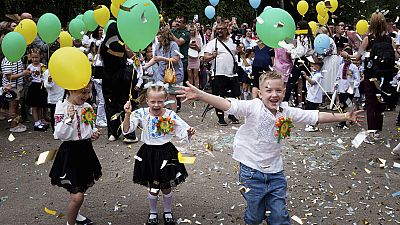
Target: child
[55, 93]
[37, 94]
[347, 80]
[157, 165]
[314, 90]
[256, 147]
[76, 165]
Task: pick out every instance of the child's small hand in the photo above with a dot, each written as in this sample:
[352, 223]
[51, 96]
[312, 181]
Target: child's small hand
[96, 134]
[50, 79]
[191, 131]
[26, 73]
[128, 107]
[70, 111]
[7, 87]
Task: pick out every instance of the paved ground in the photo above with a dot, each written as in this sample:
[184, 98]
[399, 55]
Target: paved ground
[329, 181]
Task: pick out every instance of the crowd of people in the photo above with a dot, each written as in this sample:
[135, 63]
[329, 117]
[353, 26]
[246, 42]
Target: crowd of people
[226, 58]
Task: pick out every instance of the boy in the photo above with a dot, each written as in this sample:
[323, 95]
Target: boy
[314, 90]
[256, 147]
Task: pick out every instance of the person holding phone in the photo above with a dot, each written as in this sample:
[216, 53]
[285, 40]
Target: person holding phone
[193, 56]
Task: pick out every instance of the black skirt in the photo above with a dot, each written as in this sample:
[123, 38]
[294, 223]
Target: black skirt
[37, 95]
[76, 166]
[151, 170]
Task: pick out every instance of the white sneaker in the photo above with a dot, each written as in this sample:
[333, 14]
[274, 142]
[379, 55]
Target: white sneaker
[396, 150]
[311, 128]
[18, 129]
[112, 138]
[128, 140]
[101, 124]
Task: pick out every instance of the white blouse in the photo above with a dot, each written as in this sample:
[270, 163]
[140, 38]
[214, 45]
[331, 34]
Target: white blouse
[151, 135]
[75, 130]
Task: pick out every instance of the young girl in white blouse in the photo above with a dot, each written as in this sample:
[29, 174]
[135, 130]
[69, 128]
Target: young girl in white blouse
[156, 165]
[76, 166]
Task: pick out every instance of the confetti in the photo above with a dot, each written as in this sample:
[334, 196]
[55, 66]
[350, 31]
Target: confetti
[186, 159]
[46, 156]
[11, 137]
[137, 158]
[297, 219]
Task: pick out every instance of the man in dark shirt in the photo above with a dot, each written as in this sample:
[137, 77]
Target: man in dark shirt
[263, 61]
[182, 38]
[340, 39]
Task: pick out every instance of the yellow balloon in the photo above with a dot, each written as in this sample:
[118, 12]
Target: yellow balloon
[302, 7]
[65, 39]
[70, 68]
[313, 25]
[362, 27]
[102, 15]
[323, 19]
[118, 2]
[334, 5]
[321, 8]
[114, 10]
[28, 29]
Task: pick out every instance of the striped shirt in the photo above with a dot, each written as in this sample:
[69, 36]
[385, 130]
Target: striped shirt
[15, 68]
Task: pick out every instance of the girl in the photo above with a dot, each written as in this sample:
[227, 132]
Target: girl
[37, 94]
[55, 93]
[157, 165]
[76, 165]
[194, 59]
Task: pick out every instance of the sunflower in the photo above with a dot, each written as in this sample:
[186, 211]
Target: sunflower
[164, 125]
[284, 126]
[88, 116]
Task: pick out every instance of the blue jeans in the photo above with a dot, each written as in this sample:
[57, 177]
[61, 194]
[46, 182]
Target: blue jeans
[266, 192]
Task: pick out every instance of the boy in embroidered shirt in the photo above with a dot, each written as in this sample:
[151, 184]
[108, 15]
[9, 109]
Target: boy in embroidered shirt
[256, 147]
[314, 90]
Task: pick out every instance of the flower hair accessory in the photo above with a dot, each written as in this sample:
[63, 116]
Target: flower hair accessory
[88, 116]
[164, 125]
[158, 83]
[284, 128]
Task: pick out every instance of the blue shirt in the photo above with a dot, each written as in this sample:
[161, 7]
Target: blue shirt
[262, 57]
[171, 52]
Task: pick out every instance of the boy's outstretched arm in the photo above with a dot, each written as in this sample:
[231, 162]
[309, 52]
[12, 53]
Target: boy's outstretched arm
[325, 117]
[192, 93]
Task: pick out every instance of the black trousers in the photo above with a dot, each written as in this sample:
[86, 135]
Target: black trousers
[225, 87]
[293, 78]
[311, 105]
[116, 87]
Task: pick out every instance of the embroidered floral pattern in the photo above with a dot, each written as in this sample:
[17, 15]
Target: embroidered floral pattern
[164, 125]
[284, 127]
[88, 116]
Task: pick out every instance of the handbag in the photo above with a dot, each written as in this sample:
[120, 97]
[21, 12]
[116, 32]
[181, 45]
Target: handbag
[169, 73]
[235, 65]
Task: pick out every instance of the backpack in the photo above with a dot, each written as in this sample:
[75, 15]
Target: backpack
[382, 55]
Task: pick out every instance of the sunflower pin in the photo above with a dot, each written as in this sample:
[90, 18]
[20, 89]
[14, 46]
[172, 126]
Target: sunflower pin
[88, 116]
[284, 128]
[165, 125]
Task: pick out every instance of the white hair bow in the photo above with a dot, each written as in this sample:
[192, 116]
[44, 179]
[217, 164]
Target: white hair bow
[158, 83]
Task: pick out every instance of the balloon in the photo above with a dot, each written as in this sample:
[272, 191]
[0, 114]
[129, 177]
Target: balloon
[13, 46]
[65, 39]
[90, 22]
[267, 7]
[322, 43]
[139, 25]
[108, 24]
[28, 30]
[209, 11]
[102, 15]
[362, 27]
[80, 16]
[323, 19]
[214, 2]
[255, 3]
[114, 10]
[302, 7]
[275, 25]
[49, 27]
[321, 8]
[334, 5]
[77, 28]
[313, 25]
[117, 2]
[70, 68]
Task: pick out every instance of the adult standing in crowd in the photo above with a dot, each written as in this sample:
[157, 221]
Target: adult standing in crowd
[220, 52]
[339, 37]
[193, 56]
[263, 61]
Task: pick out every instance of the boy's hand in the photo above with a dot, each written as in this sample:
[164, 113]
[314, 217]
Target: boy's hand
[188, 93]
[191, 131]
[355, 117]
[128, 107]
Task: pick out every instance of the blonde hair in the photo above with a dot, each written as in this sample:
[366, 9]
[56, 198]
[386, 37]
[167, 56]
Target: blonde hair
[378, 25]
[165, 38]
[145, 93]
[269, 75]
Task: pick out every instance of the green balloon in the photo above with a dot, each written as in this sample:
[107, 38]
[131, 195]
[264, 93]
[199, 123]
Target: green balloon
[77, 28]
[13, 46]
[80, 16]
[276, 25]
[138, 23]
[88, 19]
[49, 27]
[108, 24]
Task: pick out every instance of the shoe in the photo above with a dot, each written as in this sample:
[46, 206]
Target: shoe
[153, 221]
[18, 129]
[86, 221]
[396, 150]
[101, 124]
[233, 119]
[129, 141]
[112, 138]
[222, 122]
[311, 128]
[40, 127]
[169, 221]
